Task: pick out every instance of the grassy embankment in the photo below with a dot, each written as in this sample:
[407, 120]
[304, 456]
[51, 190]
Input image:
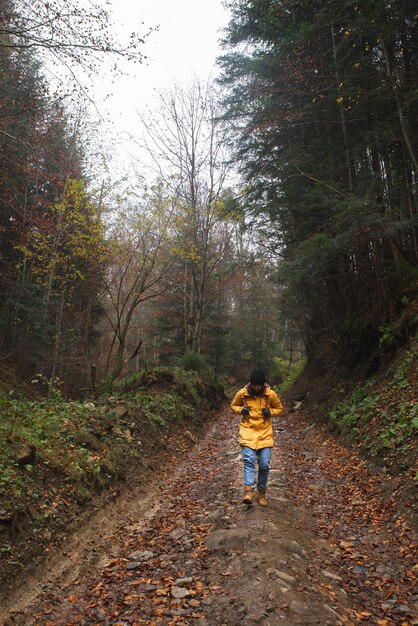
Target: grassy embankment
[56, 455]
[377, 412]
[381, 415]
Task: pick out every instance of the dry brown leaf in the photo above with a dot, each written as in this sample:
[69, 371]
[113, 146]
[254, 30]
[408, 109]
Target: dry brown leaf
[161, 592]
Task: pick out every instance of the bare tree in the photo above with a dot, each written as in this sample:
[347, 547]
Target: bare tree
[187, 145]
[72, 37]
[71, 28]
[138, 268]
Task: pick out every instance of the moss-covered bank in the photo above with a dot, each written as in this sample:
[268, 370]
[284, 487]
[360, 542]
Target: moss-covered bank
[57, 457]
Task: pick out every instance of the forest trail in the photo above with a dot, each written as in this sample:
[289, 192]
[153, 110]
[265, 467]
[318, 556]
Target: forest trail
[329, 548]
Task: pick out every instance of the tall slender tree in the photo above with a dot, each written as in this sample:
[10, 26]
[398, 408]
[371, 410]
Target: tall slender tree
[186, 142]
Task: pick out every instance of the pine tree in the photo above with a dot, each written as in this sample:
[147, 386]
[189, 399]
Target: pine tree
[324, 99]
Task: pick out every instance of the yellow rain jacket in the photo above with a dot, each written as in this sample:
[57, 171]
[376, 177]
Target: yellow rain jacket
[255, 431]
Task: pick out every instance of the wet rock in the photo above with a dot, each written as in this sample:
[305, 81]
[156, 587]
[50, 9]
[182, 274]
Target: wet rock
[26, 456]
[230, 538]
[279, 499]
[86, 439]
[300, 608]
[180, 592]
[331, 611]
[276, 484]
[177, 533]
[372, 538]
[291, 547]
[278, 475]
[215, 516]
[287, 578]
[331, 575]
[120, 412]
[183, 581]
[141, 555]
[176, 612]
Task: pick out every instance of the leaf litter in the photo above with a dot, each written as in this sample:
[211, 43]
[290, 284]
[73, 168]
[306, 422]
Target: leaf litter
[350, 556]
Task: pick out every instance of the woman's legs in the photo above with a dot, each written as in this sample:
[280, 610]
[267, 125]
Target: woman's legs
[263, 456]
[249, 456]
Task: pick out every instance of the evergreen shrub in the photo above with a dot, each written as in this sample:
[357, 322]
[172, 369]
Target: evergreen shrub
[193, 361]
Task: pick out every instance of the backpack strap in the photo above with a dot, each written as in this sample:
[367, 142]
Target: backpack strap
[244, 400]
[267, 405]
[268, 401]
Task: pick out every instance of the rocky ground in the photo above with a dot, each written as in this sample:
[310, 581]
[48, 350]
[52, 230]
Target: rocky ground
[331, 547]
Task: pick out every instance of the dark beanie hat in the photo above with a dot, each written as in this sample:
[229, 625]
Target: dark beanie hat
[257, 377]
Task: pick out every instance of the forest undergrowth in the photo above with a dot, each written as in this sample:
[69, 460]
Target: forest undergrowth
[58, 457]
[377, 414]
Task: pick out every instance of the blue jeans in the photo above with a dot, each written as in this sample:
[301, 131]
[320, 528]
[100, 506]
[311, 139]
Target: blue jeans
[263, 457]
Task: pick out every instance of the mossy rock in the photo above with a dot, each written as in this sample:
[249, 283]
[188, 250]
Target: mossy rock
[86, 439]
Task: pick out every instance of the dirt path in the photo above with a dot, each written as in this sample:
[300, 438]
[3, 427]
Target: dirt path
[328, 549]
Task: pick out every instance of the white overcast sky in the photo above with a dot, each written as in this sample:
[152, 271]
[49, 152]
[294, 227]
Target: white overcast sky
[185, 43]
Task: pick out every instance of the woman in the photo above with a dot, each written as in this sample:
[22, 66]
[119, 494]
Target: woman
[257, 403]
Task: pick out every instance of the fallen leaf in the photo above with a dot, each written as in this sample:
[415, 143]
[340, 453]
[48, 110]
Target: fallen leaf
[162, 592]
[161, 611]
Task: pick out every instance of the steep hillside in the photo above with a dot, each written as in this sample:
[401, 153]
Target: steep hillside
[377, 413]
[60, 459]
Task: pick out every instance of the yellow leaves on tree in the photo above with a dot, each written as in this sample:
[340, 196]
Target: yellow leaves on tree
[62, 249]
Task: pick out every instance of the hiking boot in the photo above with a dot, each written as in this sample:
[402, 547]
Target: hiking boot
[248, 495]
[261, 497]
